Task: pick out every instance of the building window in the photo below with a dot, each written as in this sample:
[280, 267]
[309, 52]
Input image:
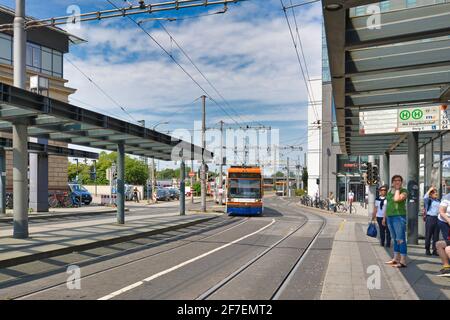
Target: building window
[360, 11]
[411, 3]
[5, 49]
[38, 58]
[384, 6]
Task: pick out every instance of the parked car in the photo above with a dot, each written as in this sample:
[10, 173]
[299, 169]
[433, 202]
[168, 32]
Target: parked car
[77, 192]
[174, 193]
[162, 194]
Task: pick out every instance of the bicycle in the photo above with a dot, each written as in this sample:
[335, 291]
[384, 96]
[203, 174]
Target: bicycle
[342, 207]
[60, 200]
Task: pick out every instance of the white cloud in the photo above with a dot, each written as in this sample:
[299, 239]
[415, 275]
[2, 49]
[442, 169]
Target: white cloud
[247, 54]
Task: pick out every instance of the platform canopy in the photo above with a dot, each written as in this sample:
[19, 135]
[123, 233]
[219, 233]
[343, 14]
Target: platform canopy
[405, 62]
[59, 121]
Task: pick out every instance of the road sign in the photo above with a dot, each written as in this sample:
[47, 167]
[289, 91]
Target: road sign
[192, 174]
[404, 119]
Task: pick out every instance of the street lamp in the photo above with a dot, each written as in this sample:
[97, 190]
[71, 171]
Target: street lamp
[153, 165]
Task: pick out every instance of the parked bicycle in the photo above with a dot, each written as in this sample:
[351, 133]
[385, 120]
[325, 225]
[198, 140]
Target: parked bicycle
[60, 200]
[9, 200]
[343, 207]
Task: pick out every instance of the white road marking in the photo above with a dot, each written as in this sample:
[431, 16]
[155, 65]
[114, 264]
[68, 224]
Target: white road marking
[159, 274]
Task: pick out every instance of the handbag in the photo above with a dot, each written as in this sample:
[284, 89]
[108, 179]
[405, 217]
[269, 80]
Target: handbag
[372, 230]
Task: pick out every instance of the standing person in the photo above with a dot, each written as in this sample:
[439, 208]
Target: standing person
[396, 220]
[431, 204]
[332, 202]
[379, 213]
[350, 198]
[444, 216]
[136, 194]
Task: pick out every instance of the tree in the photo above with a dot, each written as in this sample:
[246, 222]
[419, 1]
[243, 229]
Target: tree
[279, 174]
[305, 178]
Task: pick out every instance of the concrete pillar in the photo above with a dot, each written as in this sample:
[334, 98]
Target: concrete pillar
[20, 180]
[2, 181]
[413, 187]
[120, 183]
[384, 169]
[39, 182]
[182, 189]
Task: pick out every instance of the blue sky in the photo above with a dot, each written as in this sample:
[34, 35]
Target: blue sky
[247, 54]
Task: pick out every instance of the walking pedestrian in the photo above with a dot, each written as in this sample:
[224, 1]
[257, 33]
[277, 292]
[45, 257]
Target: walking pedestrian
[431, 206]
[396, 220]
[136, 194]
[332, 202]
[444, 216]
[379, 213]
[443, 249]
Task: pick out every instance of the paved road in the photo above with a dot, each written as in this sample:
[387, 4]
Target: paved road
[281, 255]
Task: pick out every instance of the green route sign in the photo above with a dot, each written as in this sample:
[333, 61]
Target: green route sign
[405, 115]
[417, 114]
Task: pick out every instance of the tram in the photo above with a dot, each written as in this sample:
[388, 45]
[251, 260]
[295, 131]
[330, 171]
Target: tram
[244, 191]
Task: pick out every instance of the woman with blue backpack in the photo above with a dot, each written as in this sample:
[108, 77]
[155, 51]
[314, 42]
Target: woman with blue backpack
[431, 205]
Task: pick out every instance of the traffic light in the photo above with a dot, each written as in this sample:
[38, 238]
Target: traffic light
[369, 173]
[375, 173]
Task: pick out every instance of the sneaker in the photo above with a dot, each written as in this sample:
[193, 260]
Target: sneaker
[428, 252]
[444, 272]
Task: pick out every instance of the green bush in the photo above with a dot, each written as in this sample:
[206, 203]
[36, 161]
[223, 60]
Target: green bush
[197, 188]
[300, 192]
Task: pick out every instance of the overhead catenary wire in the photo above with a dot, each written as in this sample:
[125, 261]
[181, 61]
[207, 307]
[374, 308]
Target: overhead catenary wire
[175, 61]
[101, 89]
[299, 60]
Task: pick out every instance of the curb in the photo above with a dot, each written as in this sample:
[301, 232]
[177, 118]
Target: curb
[57, 215]
[95, 244]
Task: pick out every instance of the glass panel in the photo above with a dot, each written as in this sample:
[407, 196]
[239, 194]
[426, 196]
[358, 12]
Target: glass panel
[437, 149]
[360, 11]
[384, 6]
[46, 60]
[435, 175]
[241, 188]
[29, 55]
[57, 63]
[446, 177]
[428, 165]
[5, 49]
[36, 57]
[446, 146]
[410, 3]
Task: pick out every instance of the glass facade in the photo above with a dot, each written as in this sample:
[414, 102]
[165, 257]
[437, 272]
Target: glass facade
[38, 58]
[436, 164]
[391, 5]
[326, 76]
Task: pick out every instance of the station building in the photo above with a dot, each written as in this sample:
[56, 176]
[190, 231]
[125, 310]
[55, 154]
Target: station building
[44, 57]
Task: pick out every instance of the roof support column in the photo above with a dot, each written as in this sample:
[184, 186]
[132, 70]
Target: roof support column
[384, 168]
[20, 180]
[182, 189]
[120, 183]
[2, 181]
[413, 187]
[372, 191]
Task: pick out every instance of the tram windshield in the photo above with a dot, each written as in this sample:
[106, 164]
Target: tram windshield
[245, 188]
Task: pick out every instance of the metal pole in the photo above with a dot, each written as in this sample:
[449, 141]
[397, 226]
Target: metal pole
[203, 169]
[192, 169]
[2, 181]
[182, 189]
[413, 187]
[288, 184]
[20, 134]
[154, 195]
[384, 170]
[120, 183]
[95, 180]
[372, 191]
[221, 164]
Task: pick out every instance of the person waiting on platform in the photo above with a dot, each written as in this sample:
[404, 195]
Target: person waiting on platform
[396, 220]
[444, 216]
[443, 250]
[379, 213]
[431, 213]
[332, 202]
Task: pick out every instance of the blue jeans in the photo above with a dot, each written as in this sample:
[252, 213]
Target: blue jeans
[397, 228]
[445, 229]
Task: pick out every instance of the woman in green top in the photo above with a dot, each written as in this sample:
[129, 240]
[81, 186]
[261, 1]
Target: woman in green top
[395, 218]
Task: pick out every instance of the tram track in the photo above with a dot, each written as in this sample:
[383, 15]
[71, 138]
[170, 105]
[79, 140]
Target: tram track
[287, 279]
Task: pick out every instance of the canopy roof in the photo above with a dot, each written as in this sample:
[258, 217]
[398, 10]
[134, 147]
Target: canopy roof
[405, 62]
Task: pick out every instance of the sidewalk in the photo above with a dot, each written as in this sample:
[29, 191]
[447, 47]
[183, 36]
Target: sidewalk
[55, 239]
[356, 260]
